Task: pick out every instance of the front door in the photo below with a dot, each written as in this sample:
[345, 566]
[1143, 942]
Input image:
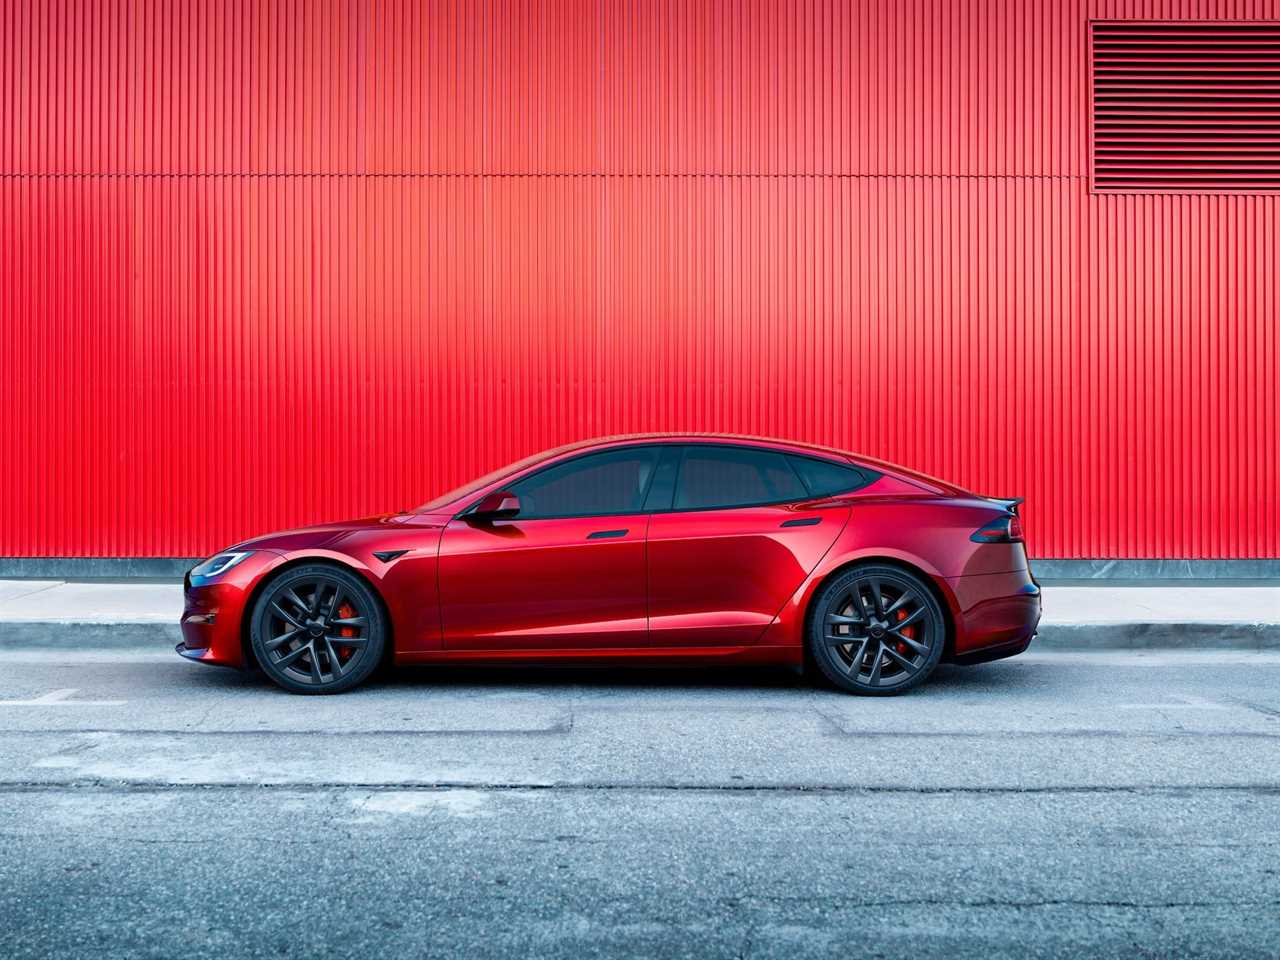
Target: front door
[567, 572]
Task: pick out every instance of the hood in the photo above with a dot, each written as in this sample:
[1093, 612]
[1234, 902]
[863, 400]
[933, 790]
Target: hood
[317, 534]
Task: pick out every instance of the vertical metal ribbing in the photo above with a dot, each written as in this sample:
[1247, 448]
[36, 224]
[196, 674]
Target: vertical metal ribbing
[268, 264]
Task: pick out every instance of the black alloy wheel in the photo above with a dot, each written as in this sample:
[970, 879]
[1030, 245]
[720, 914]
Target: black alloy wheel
[876, 630]
[318, 629]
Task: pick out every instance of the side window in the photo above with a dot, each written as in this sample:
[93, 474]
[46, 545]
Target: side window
[734, 477]
[602, 483]
[824, 478]
[663, 487]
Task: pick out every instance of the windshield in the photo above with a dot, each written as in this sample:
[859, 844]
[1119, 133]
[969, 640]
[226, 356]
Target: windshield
[457, 493]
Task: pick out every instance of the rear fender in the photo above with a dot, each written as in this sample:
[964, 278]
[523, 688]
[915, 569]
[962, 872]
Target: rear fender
[788, 627]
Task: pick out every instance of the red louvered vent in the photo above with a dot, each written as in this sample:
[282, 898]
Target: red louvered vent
[1186, 107]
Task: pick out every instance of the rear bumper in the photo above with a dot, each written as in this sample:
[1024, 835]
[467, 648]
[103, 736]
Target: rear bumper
[998, 652]
[997, 615]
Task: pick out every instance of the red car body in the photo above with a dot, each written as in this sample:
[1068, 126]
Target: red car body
[724, 585]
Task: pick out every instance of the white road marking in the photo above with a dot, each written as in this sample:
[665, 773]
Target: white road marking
[61, 698]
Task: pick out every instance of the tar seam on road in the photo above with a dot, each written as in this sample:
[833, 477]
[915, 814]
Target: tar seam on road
[559, 727]
[1269, 712]
[564, 727]
[640, 786]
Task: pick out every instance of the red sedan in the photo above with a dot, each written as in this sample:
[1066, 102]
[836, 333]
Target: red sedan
[654, 549]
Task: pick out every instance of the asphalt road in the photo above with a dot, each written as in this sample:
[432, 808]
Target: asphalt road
[1106, 804]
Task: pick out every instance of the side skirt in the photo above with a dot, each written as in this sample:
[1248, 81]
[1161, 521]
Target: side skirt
[640, 656]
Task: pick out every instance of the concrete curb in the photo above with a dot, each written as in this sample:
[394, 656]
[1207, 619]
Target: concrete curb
[97, 568]
[88, 636]
[1159, 636]
[1052, 636]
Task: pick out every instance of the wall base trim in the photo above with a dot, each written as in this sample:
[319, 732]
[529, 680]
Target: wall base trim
[1156, 569]
[96, 568]
[173, 568]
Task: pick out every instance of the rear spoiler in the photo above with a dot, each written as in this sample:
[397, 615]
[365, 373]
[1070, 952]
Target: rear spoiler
[1010, 505]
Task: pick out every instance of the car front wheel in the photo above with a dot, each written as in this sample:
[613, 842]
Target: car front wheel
[318, 629]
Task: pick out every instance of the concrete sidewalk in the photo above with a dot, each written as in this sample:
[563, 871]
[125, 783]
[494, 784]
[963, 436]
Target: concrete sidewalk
[1094, 616]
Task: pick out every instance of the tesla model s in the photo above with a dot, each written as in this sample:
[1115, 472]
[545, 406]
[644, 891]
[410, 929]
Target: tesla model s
[647, 549]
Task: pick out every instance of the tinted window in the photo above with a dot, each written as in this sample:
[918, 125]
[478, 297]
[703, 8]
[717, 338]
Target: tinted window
[734, 476]
[601, 483]
[823, 477]
[664, 480]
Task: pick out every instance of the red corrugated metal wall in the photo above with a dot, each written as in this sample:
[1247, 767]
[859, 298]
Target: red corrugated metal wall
[262, 264]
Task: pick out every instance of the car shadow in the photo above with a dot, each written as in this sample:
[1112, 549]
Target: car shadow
[613, 677]
[994, 678]
[949, 678]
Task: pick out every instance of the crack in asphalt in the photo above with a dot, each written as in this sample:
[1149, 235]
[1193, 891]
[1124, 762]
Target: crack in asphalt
[342, 826]
[565, 725]
[639, 786]
[1271, 713]
[855, 903]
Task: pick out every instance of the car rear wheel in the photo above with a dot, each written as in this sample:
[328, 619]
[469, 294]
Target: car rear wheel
[318, 629]
[876, 630]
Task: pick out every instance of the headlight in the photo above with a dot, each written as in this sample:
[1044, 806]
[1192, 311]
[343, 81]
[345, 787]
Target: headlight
[218, 564]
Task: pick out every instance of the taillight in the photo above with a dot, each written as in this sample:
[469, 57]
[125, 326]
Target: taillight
[1002, 530]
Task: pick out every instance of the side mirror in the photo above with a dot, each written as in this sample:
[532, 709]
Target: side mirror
[499, 505]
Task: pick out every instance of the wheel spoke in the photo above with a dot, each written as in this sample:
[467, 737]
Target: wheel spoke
[903, 598]
[335, 666]
[899, 658]
[285, 615]
[293, 656]
[874, 678]
[315, 665]
[855, 668]
[356, 643]
[275, 643]
[839, 618]
[909, 619]
[911, 642]
[297, 601]
[333, 604]
[347, 622]
[859, 602]
[876, 598]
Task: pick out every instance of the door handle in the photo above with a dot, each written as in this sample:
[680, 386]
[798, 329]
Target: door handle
[805, 522]
[606, 534]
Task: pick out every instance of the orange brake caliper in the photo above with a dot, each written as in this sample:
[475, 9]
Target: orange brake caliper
[344, 611]
[910, 631]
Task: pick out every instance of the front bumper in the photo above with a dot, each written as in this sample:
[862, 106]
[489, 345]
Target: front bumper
[192, 653]
[214, 611]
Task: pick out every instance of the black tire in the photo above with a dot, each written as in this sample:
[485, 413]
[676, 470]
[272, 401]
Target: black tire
[895, 627]
[318, 629]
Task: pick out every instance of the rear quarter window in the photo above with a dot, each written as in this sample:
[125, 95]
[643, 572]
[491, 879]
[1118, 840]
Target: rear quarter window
[824, 478]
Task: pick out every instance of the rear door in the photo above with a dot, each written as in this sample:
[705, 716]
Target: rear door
[737, 538]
